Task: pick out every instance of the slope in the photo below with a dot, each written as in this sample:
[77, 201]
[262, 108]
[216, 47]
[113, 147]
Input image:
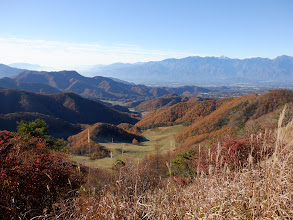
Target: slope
[6, 71]
[214, 119]
[67, 106]
[58, 128]
[246, 114]
[163, 101]
[183, 112]
[27, 86]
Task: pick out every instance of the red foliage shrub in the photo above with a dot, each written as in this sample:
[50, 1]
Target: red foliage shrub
[32, 178]
[234, 153]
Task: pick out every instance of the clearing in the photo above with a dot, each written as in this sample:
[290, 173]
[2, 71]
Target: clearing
[161, 137]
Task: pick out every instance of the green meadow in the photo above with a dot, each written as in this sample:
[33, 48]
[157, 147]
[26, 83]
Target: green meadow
[161, 139]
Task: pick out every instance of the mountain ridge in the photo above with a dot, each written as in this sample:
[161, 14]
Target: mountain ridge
[96, 88]
[6, 71]
[191, 70]
[68, 106]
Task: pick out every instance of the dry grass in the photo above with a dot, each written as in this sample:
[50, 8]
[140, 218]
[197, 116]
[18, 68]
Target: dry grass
[261, 190]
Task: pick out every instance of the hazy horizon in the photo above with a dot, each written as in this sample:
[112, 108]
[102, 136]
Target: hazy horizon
[37, 67]
[67, 34]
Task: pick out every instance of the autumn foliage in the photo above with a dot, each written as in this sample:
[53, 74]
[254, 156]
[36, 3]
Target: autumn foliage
[227, 167]
[232, 153]
[32, 177]
[183, 112]
[163, 101]
[243, 177]
[100, 133]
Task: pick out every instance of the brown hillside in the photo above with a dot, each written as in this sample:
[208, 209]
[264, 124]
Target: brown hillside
[248, 112]
[164, 101]
[183, 112]
[268, 102]
[211, 118]
[99, 133]
[212, 124]
[129, 128]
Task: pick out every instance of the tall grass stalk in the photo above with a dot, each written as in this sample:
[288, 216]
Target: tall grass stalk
[261, 190]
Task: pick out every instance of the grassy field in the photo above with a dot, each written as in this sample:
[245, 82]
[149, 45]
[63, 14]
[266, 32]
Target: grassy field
[161, 138]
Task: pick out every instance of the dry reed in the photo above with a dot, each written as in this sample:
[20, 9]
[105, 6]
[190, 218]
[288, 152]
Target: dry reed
[261, 190]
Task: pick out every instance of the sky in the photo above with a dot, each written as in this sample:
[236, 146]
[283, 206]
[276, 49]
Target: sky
[70, 33]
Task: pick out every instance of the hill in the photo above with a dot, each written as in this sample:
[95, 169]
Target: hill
[69, 107]
[163, 101]
[27, 86]
[129, 128]
[214, 119]
[99, 133]
[216, 123]
[180, 113]
[247, 114]
[98, 87]
[6, 71]
[58, 128]
[202, 70]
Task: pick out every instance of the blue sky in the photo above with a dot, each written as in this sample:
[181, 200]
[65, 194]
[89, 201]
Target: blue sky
[61, 33]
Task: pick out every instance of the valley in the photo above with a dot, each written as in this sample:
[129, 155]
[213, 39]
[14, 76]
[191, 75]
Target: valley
[96, 142]
[146, 110]
[160, 139]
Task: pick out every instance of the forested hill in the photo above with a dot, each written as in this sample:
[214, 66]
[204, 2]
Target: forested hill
[7, 82]
[67, 106]
[216, 118]
[58, 128]
[97, 87]
[164, 101]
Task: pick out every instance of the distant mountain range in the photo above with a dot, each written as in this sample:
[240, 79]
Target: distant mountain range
[27, 66]
[201, 70]
[187, 71]
[6, 71]
[97, 87]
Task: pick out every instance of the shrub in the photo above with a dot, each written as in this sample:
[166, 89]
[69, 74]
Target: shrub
[32, 177]
[135, 142]
[38, 128]
[182, 164]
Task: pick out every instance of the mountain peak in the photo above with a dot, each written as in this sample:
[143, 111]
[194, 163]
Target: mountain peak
[284, 57]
